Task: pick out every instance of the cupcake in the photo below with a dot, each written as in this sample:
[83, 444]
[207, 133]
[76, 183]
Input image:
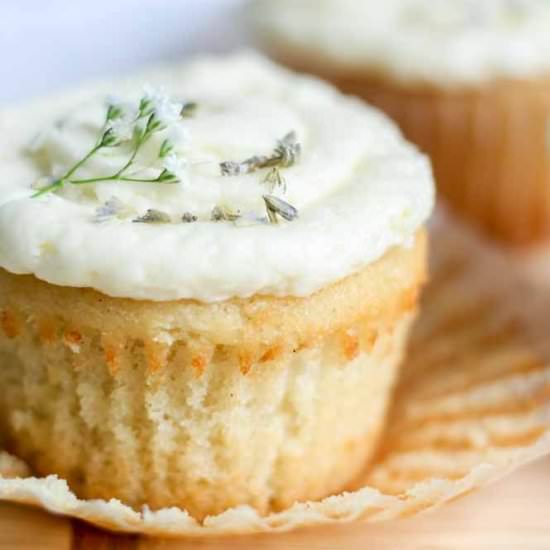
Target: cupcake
[468, 81]
[206, 284]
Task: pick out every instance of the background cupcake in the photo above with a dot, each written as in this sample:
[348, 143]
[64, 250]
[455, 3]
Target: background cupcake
[467, 81]
[205, 292]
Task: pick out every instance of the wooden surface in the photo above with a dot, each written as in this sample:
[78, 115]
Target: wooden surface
[513, 514]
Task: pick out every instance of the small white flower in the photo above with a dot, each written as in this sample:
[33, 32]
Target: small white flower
[123, 104]
[167, 111]
[123, 129]
[176, 165]
[123, 126]
[179, 136]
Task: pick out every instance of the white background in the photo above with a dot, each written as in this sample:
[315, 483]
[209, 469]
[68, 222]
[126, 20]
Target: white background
[46, 45]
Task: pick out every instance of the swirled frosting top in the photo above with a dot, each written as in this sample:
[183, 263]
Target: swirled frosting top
[238, 178]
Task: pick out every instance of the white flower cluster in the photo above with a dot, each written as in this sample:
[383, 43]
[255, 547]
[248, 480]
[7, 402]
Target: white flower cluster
[165, 109]
[123, 126]
[129, 120]
[178, 166]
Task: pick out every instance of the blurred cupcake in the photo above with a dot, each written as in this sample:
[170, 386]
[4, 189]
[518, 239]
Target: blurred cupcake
[206, 295]
[467, 80]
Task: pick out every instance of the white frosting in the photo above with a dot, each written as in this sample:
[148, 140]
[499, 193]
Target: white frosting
[359, 188]
[446, 42]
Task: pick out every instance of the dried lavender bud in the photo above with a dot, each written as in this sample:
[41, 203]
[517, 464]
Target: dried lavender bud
[108, 210]
[289, 150]
[286, 154]
[189, 109]
[274, 180]
[153, 216]
[230, 168]
[220, 213]
[249, 219]
[277, 207]
[189, 218]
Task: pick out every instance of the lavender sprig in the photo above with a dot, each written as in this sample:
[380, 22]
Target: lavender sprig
[286, 154]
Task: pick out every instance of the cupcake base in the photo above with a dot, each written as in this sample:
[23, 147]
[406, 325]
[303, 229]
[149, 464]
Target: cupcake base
[262, 402]
[471, 407]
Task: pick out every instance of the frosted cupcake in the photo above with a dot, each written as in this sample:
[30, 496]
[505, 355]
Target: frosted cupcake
[467, 80]
[205, 293]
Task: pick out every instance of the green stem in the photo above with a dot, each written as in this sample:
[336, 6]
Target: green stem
[131, 160]
[118, 176]
[57, 184]
[143, 138]
[115, 177]
[81, 162]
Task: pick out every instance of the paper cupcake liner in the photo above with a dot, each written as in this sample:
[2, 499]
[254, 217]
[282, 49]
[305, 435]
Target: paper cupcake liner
[473, 405]
[489, 147]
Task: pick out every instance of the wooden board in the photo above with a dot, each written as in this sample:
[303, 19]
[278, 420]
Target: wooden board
[513, 514]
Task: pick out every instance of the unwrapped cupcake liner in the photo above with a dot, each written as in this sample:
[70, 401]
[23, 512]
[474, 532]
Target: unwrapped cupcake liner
[473, 404]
